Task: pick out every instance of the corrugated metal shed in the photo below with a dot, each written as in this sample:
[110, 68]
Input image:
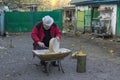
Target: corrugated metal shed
[95, 2]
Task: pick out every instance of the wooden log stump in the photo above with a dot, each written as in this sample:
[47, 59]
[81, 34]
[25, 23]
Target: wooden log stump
[81, 63]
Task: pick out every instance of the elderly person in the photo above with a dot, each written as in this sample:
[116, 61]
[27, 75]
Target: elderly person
[43, 32]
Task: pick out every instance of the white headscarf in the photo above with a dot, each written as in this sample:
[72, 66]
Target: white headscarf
[47, 20]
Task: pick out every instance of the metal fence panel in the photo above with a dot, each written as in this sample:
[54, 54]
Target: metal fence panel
[18, 21]
[25, 21]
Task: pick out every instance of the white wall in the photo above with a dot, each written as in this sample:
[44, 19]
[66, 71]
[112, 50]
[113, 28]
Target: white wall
[82, 8]
[114, 19]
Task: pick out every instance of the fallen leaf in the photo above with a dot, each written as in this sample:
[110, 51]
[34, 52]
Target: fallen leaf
[104, 47]
[72, 45]
[7, 75]
[111, 51]
[92, 38]
[111, 40]
[2, 47]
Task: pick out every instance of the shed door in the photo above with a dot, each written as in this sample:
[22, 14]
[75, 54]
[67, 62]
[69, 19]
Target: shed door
[80, 21]
[87, 20]
[118, 23]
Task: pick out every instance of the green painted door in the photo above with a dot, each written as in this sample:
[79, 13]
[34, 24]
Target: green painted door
[80, 21]
[118, 23]
[95, 14]
[87, 20]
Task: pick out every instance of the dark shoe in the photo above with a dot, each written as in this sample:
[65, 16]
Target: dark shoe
[54, 63]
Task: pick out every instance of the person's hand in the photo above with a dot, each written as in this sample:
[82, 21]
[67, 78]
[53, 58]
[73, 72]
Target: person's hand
[58, 38]
[41, 44]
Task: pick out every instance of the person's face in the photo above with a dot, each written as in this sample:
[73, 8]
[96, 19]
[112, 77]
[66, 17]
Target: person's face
[46, 27]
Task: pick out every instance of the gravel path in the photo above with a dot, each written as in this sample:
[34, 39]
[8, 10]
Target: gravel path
[16, 62]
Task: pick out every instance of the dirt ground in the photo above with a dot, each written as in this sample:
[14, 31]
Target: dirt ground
[103, 59]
